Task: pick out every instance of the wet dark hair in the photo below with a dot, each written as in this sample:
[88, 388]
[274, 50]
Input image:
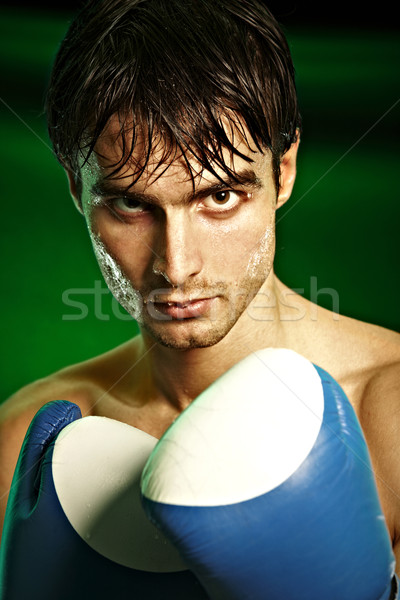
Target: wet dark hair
[171, 69]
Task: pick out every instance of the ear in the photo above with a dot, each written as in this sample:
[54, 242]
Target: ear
[73, 190]
[288, 173]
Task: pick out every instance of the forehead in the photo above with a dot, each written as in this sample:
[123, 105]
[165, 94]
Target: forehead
[124, 153]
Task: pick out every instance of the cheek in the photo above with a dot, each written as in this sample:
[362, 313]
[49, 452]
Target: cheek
[243, 250]
[107, 248]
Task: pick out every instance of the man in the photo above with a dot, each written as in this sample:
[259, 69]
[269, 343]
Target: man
[178, 128]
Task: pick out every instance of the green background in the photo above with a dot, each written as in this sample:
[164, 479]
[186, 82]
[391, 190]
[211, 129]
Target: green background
[340, 229]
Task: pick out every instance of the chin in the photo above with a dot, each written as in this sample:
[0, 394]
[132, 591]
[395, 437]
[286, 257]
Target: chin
[182, 336]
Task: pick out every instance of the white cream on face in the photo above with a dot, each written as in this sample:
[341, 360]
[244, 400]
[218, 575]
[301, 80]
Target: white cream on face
[117, 282]
[263, 250]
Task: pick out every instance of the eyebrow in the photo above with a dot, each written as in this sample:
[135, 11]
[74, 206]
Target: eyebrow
[246, 178]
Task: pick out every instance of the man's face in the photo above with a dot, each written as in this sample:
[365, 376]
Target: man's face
[184, 263]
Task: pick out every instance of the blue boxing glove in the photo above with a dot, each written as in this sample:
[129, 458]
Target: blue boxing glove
[74, 526]
[264, 484]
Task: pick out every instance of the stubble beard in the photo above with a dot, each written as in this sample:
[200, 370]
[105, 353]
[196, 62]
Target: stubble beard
[233, 301]
[203, 332]
[233, 298]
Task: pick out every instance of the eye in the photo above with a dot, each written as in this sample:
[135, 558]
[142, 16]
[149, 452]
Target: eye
[128, 205]
[226, 199]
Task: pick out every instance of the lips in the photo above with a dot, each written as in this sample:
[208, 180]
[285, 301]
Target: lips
[184, 309]
[179, 301]
[183, 304]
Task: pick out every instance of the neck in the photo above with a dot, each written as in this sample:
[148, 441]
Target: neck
[181, 375]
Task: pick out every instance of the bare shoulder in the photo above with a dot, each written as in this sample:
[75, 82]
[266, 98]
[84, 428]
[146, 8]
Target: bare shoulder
[82, 383]
[374, 345]
[379, 410]
[18, 411]
[370, 361]
[379, 415]
[352, 351]
[357, 354]
[373, 356]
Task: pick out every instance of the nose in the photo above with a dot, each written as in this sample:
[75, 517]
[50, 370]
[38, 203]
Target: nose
[178, 253]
